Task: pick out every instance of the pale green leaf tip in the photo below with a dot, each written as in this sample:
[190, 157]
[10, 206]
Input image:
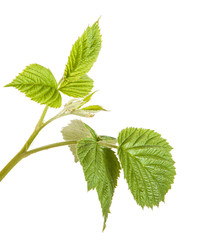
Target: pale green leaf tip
[104, 226]
[94, 92]
[98, 20]
[88, 97]
[104, 223]
[8, 85]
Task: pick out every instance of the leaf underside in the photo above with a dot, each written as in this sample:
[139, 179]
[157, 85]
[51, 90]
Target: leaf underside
[39, 84]
[147, 164]
[82, 57]
[101, 169]
[75, 131]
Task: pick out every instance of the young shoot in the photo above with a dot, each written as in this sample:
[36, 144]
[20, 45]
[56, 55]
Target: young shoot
[142, 154]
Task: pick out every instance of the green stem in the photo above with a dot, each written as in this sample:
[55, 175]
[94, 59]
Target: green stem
[24, 149]
[37, 129]
[61, 80]
[53, 145]
[54, 118]
[10, 165]
[25, 154]
[39, 126]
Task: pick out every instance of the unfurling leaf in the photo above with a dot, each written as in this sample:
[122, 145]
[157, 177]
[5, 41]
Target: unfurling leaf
[147, 164]
[73, 104]
[76, 103]
[39, 84]
[88, 98]
[75, 131]
[82, 57]
[101, 169]
[79, 88]
[82, 113]
[74, 107]
[93, 108]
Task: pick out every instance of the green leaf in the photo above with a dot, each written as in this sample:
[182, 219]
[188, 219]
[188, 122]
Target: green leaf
[75, 131]
[87, 111]
[101, 169]
[88, 98]
[92, 132]
[39, 84]
[83, 55]
[93, 108]
[79, 88]
[108, 139]
[147, 163]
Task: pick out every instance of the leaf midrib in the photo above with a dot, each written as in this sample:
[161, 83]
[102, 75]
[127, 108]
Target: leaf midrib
[141, 147]
[36, 84]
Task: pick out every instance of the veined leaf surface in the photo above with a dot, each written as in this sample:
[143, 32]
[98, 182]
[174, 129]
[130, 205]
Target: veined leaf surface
[39, 84]
[147, 164]
[82, 57]
[101, 169]
[79, 88]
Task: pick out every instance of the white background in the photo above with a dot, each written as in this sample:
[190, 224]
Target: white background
[146, 75]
